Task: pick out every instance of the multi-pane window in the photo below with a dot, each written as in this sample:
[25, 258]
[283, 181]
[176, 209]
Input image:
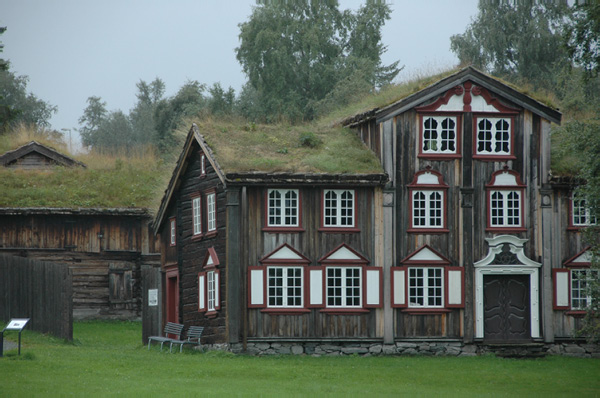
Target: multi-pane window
[197, 216]
[173, 232]
[505, 209]
[283, 208]
[211, 212]
[338, 208]
[582, 216]
[427, 209]
[284, 286]
[581, 280]
[343, 287]
[439, 134]
[425, 287]
[211, 290]
[493, 136]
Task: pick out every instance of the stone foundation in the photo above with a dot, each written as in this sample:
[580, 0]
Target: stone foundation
[456, 349]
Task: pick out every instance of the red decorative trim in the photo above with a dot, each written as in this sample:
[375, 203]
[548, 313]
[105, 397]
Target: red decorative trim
[282, 228]
[467, 97]
[576, 313]
[425, 311]
[554, 304]
[518, 187]
[217, 291]
[505, 169]
[365, 290]
[447, 287]
[283, 261]
[344, 311]
[361, 261]
[285, 311]
[407, 260]
[442, 156]
[490, 157]
[202, 275]
[505, 229]
[211, 252]
[398, 269]
[264, 290]
[210, 314]
[493, 101]
[443, 100]
[428, 231]
[339, 230]
[569, 262]
[307, 292]
[440, 185]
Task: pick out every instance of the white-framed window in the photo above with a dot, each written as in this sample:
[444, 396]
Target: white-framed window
[343, 287]
[284, 287]
[581, 216]
[210, 291]
[439, 135]
[506, 201]
[505, 208]
[581, 280]
[202, 165]
[425, 287]
[173, 230]
[197, 215]
[428, 209]
[338, 208]
[211, 211]
[283, 208]
[494, 136]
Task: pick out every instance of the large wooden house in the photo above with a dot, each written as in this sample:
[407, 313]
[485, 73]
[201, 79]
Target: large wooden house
[459, 240]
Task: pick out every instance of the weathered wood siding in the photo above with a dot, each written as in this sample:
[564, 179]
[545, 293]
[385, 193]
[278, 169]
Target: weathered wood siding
[189, 252]
[40, 291]
[313, 244]
[104, 254]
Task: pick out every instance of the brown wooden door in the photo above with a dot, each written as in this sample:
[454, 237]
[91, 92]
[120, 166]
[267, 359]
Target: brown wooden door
[506, 308]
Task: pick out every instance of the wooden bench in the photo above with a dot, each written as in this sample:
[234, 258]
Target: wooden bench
[170, 328]
[194, 334]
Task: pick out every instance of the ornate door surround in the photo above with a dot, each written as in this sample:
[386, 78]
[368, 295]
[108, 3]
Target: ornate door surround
[506, 257]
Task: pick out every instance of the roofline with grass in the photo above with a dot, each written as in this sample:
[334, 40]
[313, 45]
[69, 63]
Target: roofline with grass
[35, 146]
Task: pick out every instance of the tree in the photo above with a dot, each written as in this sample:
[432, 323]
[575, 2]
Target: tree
[582, 35]
[142, 116]
[518, 40]
[221, 102]
[3, 63]
[295, 53]
[93, 116]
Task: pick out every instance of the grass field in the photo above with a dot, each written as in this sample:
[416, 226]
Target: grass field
[108, 359]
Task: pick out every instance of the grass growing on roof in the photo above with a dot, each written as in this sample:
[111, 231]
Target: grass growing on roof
[307, 148]
[109, 359]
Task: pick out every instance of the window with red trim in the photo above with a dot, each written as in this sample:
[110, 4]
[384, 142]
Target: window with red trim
[209, 300]
[572, 284]
[197, 215]
[173, 232]
[338, 210]
[211, 211]
[581, 215]
[428, 213]
[440, 135]
[426, 282]
[506, 201]
[493, 137]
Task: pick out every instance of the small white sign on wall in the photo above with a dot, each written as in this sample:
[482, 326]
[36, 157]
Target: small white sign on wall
[152, 297]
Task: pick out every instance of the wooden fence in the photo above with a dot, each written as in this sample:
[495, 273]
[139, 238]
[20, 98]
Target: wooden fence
[41, 291]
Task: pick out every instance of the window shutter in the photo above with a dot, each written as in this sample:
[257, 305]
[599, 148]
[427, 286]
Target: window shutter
[217, 290]
[316, 296]
[373, 288]
[256, 287]
[399, 287]
[455, 287]
[562, 293]
[202, 291]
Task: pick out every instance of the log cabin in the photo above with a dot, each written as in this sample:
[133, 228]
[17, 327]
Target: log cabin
[104, 247]
[458, 241]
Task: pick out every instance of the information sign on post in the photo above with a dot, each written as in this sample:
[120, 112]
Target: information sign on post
[14, 324]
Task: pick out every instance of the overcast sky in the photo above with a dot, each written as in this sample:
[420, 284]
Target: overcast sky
[73, 49]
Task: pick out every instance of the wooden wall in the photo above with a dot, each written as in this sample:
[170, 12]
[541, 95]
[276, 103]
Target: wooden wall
[104, 253]
[37, 290]
[313, 244]
[189, 252]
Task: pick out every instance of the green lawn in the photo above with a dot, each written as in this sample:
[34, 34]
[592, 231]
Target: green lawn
[108, 358]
